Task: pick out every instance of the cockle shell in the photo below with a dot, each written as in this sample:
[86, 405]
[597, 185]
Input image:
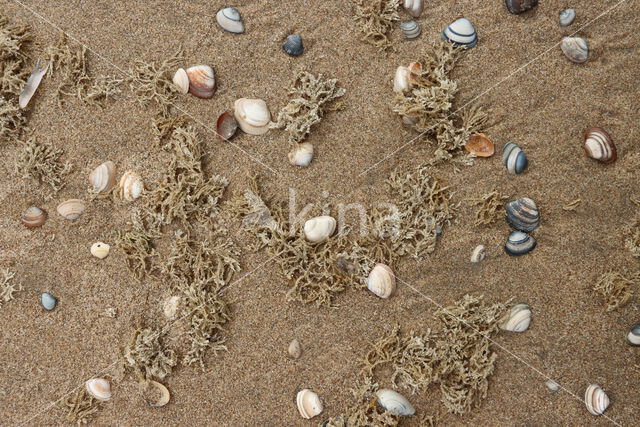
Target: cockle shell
[514, 158]
[226, 126]
[575, 48]
[382, 281]
[319, 228]
[295, 349]
[480, 145]
[230, 20]
[301, 155]
[461, 32]
[100, 250]
[34, 217]
[478, 254]
[410, 29]
[567, 16]
[596, 399]
[633, 337]
[394, 402]
[156, 394]
[131, 186]
[71, 209]
[309, 404]
[103, 178]
[32, 84]
[519, 6]
[523, 214]
[599, 146]
[252, 115]
[414, 7]
[293, 45]
[99, 388]
[170, 306]
[519, 243]
[181, 80]
[518, 318]
[202, 81]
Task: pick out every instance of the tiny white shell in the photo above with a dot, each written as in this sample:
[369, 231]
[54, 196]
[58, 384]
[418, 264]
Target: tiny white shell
[518, 319]
[252, 115]
[181, 80]
[295, 349]
[596, 399]
[170, 306]
[552, 385]
[98, 388]
[576, 49]
[395, 403]
[230, 20]
[100, 250]
[160, 390]
[103, 178]
[382, 281]
[71, 209]
[461, 32]
[32, 84]
[309, 404]
[319, 228]
[414, 7]
[131, 186]
[478, 254]
[301, 155]
[401, 79]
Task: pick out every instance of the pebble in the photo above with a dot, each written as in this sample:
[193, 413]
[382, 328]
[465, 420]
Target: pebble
[48, 301]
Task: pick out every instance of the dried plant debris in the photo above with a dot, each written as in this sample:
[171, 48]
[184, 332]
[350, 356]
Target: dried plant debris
[138, 247]
[308, 97]
[428, 105]
[148, 355]
[151, 82]
[572, 206]
[41, 161]
[164, 126]
[633, 240]
[7, 287]
[615, 288]
[376, 18]
[80, 406]
[12, 119]
[491, 207]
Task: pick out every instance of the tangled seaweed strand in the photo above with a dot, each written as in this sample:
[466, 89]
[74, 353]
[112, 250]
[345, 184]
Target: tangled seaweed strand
[148, 355]
[7, 289]
[138, 247]
[491, 207]
[80, 406]
[152, 82]
[633, 241]
[41, 161]
[376, 18]
[615, 288]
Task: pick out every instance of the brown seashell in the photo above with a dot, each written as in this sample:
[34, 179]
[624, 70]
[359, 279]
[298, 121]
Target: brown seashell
[34, 217]
[103, 178]
[227, 126]
[71, 209]
[202, 81]
[480, 145]
[520, 6]
[599, 146]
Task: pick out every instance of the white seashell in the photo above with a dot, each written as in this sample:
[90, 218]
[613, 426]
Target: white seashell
[71, 209]
[252, 115]
[478, 254]
[518, 319]
[202, 81]
[401, 80]
[461, 32]
[567, 16]
[32, 84]
[395, 403]
[633, 337]
[170, 306]
[382, 281]
[309, 404]
[295, 349]
[552, 385]
[131, 186]
[596, 399]
[414, 7]
[100, 250]
[319, 228]
[181, 80]
[576, 49]
[103, 178]
[410, 29]
[301, 154]
[230, 20]
[160, 393]
[99, 388]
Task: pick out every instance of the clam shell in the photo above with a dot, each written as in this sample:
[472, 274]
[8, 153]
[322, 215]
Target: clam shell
[633, 337]
[71, 209]
[156, 394]
[170, 306]
[480, 145]
[252, 115]
[181, 80]
[519, 243]
[309, 404]
[32, 84]
[394, 402]
[414, 7]
[519, 6]
[461, 32]
[596, 399]
[103, 178]
[552, 385]
[202, 81]
[514, 158]
[48, 301]
[575, 48]
[230, 20]
[100, 250]
[382, 281]
[131, 186]
[567, 16]
[401, 79]
[99, 388]
[523, 214]
[319, 228]
[410, 29]
[518, 318]
[226, 126]
[478, 254]
[34, 217]
[599, 146]
[293, 45]
[301, 155]
[295, 349]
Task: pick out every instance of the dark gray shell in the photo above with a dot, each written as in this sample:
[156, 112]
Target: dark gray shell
[520, 6]
[293, 45]
[519, 243]
[514, 158]
[523, 214]
[633, 337]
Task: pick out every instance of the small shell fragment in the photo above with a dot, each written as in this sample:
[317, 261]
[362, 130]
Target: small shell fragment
[319, 229]
[295, 349]
[414, 7]
[252, 115]
[478, 254]
[226, 126]
[156, 394]
[633, 337]
[401, 79]
[100, 250]
[599, 145]
[170, 306]
[32, 84]
[394, 403]
[103, 178]
[576, 49]
[131, 186]
[552, 385]
[202, 81]
[34, 217]
[71, 209]
[382, 281]
[519, 243]
[48, 301]
[230, 20]
[301, 155]
[293, 45]
[99, 388]
[518, 318]
[596, 400]
[480, 145]
[410, 29]
[309, 404]
[181, 80]
[567, 16]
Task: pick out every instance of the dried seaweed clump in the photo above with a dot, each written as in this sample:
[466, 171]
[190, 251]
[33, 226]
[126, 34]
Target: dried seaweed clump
[148, 355]
[429, 102]
[7, 288]
[138, 247]
[633, 240]
[491, 207]
[376, 18]
[615, 288]
[308, 96]
[80, 406]
[152, 82]
[41, 161]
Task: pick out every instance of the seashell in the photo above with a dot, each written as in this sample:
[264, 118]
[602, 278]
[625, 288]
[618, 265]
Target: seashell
[32, 84]
[99, 388]
[599, 146]
[575, 48]
[100, 250]
[230, 20]
[227, 126]
[170, 306]
[519, 6]
[103, 178]
[48, 301]
[633, 337]
[293, 45]
[567, 16]
[480, 145]
[202, 81]
[514, 158]
[461, 32]
[156, 394]
[252, 115]
[552, 385]
[414, 7]
[518, 319]
[181, 80]
[394, 402]
[131, 186]
[295, 349]
[71, 209]
[382, 281]
[319, 228]
[34, 217]
[478, 254]
[596, 399]
[523, 214]
[301, 154]
[401, 80]
[519, 243]
[410, 29]
[309, 404]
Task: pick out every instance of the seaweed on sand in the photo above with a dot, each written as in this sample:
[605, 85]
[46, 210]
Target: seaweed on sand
[7, 288]
[163, 126]
[615, 288]
[491, 207]
[152, 82]
[138, 247]
[148, 355]
[12, 119]
[376, 18]
[41, 161]
[633, 240]
[80, 406]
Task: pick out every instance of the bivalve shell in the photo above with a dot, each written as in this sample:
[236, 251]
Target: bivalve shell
[295, 349]
[394, 402]
[230, 20]
[519, 243]
[461, 32]
[202, 81]
[131, 186]
[226, 126]
[414, 7]
[518, 318]
[99, 388]
[599, 146]
[478, 254]
[410, 29]
[301, 155]
[170, 306]
[100, 250]
[293, 45]
[319, 228]
[181, 80]
[576, 49]
[382, 281]
[480, 145]
[520, 6]
[523, 214]
[103, 178]
[71, 209]
[633, 337]
[552, 385]
[48, 301]
[252, 115]
[32, 84]
[309, 404]
[596, 399]
[401, 79]
[156, 394]
[567, 16]
[34, 217]
[514, 158]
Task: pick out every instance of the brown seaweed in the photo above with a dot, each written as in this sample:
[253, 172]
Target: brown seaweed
[41, 161]
[376, 17]
[148, 355]
[7, 287]
[80, 406]
[491, 207]
[615, 288]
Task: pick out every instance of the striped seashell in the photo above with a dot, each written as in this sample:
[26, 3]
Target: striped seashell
[414, 7]
[633, 337]
[575, 48]
[410, 29]
[519, 6]
[596, 399]
[567, 16]
[103, 178]
[599, 146]
[461, 32]
[71, 209]
[523, 214]
[230, 20]
[202, 81]
[514, 158]
[34, 217]
[293, 45]
[309, 404]
[518, 318]
[519, 243]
